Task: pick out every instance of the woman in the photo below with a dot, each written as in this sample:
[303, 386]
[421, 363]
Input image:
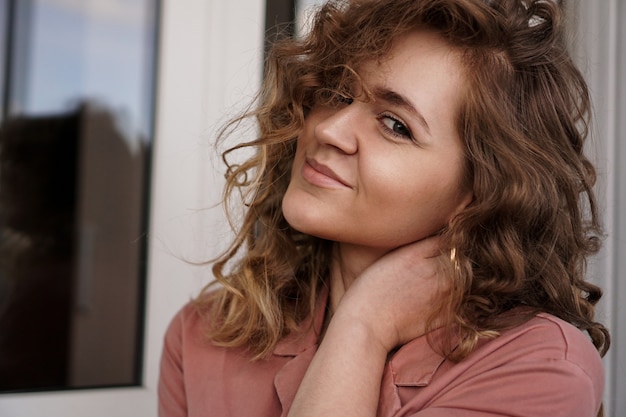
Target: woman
[418, 215]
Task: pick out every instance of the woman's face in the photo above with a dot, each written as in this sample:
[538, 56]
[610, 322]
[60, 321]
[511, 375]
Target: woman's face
[388, 171]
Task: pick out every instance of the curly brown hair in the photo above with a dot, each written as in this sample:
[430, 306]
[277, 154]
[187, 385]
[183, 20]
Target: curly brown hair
[524, 239]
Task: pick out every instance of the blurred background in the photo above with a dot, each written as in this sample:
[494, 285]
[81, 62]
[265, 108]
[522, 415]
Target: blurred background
[109, 182]
[78, 85]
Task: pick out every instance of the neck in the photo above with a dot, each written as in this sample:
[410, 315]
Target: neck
[349, 261]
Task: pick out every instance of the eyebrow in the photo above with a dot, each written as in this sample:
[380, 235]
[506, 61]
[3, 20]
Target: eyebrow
[397, 99]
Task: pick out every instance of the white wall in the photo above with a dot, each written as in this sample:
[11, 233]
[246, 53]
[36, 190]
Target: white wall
[600, 46]
[211, 64]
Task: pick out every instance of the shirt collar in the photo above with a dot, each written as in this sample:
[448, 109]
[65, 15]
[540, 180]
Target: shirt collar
[415, 363]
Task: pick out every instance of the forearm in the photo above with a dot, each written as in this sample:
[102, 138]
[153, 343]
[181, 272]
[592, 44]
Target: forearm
[344, 377]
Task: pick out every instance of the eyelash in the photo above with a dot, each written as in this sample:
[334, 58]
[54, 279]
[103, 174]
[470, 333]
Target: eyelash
[390, 131]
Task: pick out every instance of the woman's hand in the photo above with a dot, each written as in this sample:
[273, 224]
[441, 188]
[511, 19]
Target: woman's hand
[396, 295]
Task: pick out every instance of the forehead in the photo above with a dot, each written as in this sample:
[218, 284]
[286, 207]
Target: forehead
[417, 54]
[423, 67]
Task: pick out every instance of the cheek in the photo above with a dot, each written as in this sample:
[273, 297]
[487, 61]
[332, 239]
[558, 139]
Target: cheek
[431, 190]
[400, 181]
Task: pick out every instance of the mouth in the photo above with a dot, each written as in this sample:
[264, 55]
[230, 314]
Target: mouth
[321, 175]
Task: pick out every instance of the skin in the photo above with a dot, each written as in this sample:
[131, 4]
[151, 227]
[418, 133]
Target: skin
[380, 178]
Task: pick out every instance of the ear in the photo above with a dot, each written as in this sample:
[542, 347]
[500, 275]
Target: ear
[467, 199]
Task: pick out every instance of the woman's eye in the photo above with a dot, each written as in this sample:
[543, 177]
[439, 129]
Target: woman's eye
[395, 127]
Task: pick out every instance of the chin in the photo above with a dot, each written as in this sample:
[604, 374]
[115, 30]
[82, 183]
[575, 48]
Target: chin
[298, 214]
[300, 221]
[302, 225]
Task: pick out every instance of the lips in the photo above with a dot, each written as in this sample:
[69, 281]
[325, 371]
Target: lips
[321, 175]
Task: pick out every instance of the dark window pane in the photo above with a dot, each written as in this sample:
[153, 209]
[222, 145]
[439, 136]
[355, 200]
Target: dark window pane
[74, 158]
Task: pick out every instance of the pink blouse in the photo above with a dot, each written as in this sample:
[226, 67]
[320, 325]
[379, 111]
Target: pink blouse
[545, 367]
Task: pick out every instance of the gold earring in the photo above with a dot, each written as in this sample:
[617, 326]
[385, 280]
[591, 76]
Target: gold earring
[454, 260]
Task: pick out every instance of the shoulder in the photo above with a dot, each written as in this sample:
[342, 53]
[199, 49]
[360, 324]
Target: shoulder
[200, 378]
[550, 336]
[542, 367]
[190, 324]
[545, 346]
[547, 338]
[185, 326]
[547, 365]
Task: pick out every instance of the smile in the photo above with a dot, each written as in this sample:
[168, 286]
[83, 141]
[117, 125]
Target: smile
[320, 175]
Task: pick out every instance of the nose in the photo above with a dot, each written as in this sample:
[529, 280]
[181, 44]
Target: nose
[338, 128]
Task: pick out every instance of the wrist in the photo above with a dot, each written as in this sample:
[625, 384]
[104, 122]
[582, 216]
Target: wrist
[377, 336]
